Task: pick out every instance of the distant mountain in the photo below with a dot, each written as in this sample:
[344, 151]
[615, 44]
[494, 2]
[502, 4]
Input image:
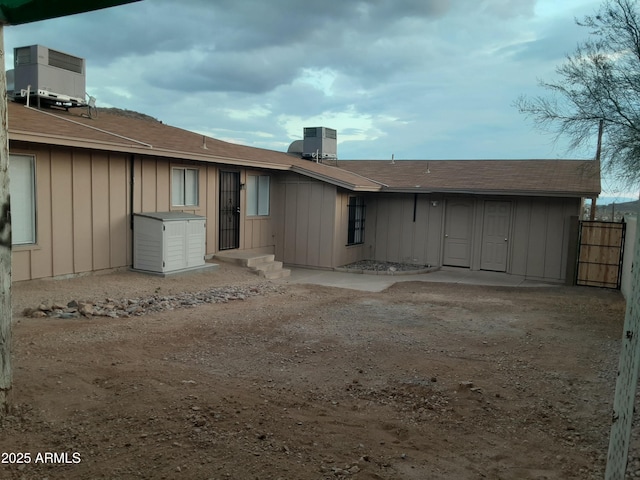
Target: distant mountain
[616, 211]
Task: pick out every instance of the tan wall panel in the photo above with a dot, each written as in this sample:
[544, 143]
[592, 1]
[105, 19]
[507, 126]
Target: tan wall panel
[327, 226]
[303, 210]
[137, 196]
[314, 225]
[290, 214]
[247, 232]
[20, 265]
[553, 266]
[421, 229]
[100, 209]
[435, 220]
[62, 208]
[397, 238]
[383, 209]
[163, 186]
[202, 192]
[303, 224]
[149, 185]
[82, 215]
[211, 203]
[407, 232]
[520, 237]
[119, 246]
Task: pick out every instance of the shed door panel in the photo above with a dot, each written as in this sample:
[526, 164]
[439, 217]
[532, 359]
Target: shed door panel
[174, 246]
[495, 236]
[457, 233]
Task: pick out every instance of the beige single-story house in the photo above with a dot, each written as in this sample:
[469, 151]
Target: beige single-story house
[78, 181]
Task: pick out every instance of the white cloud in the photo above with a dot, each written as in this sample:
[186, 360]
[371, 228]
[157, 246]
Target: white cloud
[417, 78]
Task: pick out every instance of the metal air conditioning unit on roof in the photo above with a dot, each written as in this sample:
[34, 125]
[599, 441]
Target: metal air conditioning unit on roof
[48, 75]
[320, 143]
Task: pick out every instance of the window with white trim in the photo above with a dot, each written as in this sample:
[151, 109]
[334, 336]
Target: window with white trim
[355, 230]
[184, 187]
[258, 195]
[22, 187]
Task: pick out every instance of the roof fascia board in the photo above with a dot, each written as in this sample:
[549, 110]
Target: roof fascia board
[527, 193]
[334, 181]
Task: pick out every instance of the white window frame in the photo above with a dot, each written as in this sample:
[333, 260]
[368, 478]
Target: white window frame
[258, 195]
[185, 187]
[22, 188]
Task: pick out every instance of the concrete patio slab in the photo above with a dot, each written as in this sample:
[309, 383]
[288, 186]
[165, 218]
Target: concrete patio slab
[378, 283]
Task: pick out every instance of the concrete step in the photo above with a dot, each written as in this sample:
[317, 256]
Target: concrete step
[274, 274]
[264, 265]
[267, 266]
[259, 260]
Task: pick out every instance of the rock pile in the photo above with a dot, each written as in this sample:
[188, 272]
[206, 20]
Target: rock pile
[139, 306]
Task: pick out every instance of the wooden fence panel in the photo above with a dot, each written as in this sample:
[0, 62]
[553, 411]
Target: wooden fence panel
[601, 246]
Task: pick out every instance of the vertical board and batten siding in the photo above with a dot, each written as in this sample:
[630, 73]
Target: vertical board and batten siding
[100, 212]
[256, 232]
[62, 213]
[396, 237]
[209, 198]
[119, 231]
[82, 225]
[538, 243]
[81, 214]
[344, 254]
[83, 207]
[306, 221]
[540, 237]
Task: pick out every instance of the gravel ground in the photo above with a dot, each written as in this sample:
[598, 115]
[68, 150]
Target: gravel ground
[376, 266]
[423, 380]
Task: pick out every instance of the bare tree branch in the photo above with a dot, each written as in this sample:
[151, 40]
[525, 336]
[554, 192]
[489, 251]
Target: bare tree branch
[599, 81]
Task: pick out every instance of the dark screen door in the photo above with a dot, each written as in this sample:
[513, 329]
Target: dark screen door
[229, 210]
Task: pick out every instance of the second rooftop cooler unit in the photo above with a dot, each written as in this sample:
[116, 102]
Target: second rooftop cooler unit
[168, 242]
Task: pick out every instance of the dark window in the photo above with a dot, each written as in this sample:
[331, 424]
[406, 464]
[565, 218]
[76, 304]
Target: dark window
[356, 221]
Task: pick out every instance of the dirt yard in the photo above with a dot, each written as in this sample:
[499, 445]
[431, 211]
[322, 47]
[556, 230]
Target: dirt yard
[421, 381]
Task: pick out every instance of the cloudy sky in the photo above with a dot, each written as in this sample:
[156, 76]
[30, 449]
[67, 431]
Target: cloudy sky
[417, 79]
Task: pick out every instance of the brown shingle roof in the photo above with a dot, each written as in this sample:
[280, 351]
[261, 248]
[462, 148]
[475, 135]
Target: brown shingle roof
[531, 177]
[130, 133]
[133, 133]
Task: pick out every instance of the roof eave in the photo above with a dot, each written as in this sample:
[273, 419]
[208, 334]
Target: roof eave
[335, 181]
[459, 191]
[44, 139]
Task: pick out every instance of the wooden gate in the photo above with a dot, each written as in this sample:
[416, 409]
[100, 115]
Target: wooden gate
[600, 250]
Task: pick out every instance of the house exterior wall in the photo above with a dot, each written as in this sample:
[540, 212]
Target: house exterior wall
[541, 233]
[81, 214]
[257, 232]
[83, 210]
[392, 234]
[537, 242]
[306, 219]
[344, 254]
